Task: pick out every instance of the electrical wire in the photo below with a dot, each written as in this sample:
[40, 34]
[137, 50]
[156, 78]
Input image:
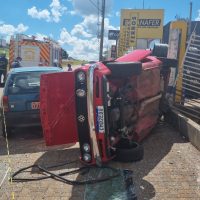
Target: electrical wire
[59, 177]
[95, 5]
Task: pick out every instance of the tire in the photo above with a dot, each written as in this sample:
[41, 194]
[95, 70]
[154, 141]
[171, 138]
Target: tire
[160, 50]
[8, 130]
[124, 69]
[127, 151]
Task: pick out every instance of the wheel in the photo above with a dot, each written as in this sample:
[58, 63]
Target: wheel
[160, 50]
[124, 69]
[8, 130]
[129, 151]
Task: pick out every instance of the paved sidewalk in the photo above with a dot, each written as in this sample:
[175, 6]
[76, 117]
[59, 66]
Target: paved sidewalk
[170, 168]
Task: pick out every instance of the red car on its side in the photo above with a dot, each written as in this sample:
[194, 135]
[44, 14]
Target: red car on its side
[108, 106]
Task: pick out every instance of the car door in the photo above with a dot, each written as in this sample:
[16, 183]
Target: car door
[57, 108]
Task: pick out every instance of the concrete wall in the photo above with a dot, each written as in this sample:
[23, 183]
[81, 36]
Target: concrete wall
[187, 127]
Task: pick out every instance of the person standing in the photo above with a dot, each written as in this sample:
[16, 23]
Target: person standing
[69, 67]
[56, 63]
[46, 63]
[3, 66]
[17, 62]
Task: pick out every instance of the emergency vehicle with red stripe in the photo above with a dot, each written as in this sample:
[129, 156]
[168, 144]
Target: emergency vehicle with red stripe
[34, 52]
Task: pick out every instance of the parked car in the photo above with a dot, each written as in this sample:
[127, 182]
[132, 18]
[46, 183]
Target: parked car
[20, 99]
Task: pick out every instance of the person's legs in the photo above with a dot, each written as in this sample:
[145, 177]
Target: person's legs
[1, 72]
[4, 75]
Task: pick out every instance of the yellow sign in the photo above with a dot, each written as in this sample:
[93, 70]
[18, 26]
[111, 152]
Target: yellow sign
[139, 24]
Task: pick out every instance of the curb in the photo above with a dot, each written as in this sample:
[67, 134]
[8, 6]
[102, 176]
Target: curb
[187, 127]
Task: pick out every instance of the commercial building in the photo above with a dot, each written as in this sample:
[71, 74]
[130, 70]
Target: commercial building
[195, 25]
[138, 28]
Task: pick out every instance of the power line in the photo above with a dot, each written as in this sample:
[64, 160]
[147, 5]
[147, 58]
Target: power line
[95, 5]
[98, 22]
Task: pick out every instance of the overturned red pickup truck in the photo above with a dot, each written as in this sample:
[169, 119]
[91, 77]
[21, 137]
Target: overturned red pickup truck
[108, 107]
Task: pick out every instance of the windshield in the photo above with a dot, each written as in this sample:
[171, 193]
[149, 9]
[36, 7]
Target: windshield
[25, 82]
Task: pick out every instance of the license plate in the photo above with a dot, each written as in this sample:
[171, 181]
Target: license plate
[100, 119]
[35, 105]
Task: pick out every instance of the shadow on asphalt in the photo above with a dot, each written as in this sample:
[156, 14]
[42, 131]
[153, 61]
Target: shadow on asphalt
[156, 147]
[26, 140]
[59, 156]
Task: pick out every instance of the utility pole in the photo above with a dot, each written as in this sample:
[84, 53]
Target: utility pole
[143, 4]
[190, 20]
[102, 31]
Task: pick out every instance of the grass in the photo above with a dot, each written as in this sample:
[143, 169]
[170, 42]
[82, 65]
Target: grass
[73, 62]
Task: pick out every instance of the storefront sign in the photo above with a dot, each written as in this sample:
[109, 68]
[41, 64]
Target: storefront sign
[113, 34]
[139, 24]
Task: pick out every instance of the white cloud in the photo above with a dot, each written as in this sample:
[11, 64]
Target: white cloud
[86, 7]
[83, 40]
[66, 38]
[43, 14]
[90, 23]
[117, 14]
[8, 29]
[21, 28]
[89, 27]
[72, 12]
[79, 31]
[56, 10]
[198, 17]
[81, 48]
[107, 26]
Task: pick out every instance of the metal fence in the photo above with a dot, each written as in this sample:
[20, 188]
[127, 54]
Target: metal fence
[190, 75]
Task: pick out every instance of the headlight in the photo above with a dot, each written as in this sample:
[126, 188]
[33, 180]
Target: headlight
[87, 157]
[86, 147]
[81, 76]
[80, 93]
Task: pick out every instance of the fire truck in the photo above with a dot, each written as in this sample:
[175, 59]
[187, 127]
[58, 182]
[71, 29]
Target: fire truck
[34, 52]
[108, 107]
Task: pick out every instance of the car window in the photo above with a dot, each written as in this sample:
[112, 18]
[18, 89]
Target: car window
[25, 82]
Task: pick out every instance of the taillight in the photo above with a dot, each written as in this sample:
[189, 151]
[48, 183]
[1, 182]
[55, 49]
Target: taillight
[5, 104]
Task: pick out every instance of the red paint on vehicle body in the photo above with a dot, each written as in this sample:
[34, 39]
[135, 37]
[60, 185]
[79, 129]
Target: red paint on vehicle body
[57, 108]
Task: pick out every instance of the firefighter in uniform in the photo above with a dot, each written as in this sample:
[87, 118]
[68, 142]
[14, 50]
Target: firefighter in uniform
[3, 66]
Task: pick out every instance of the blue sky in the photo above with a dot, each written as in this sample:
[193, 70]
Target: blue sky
[74, 22]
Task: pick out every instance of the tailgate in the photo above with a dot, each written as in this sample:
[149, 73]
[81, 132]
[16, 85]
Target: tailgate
[23, 102]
